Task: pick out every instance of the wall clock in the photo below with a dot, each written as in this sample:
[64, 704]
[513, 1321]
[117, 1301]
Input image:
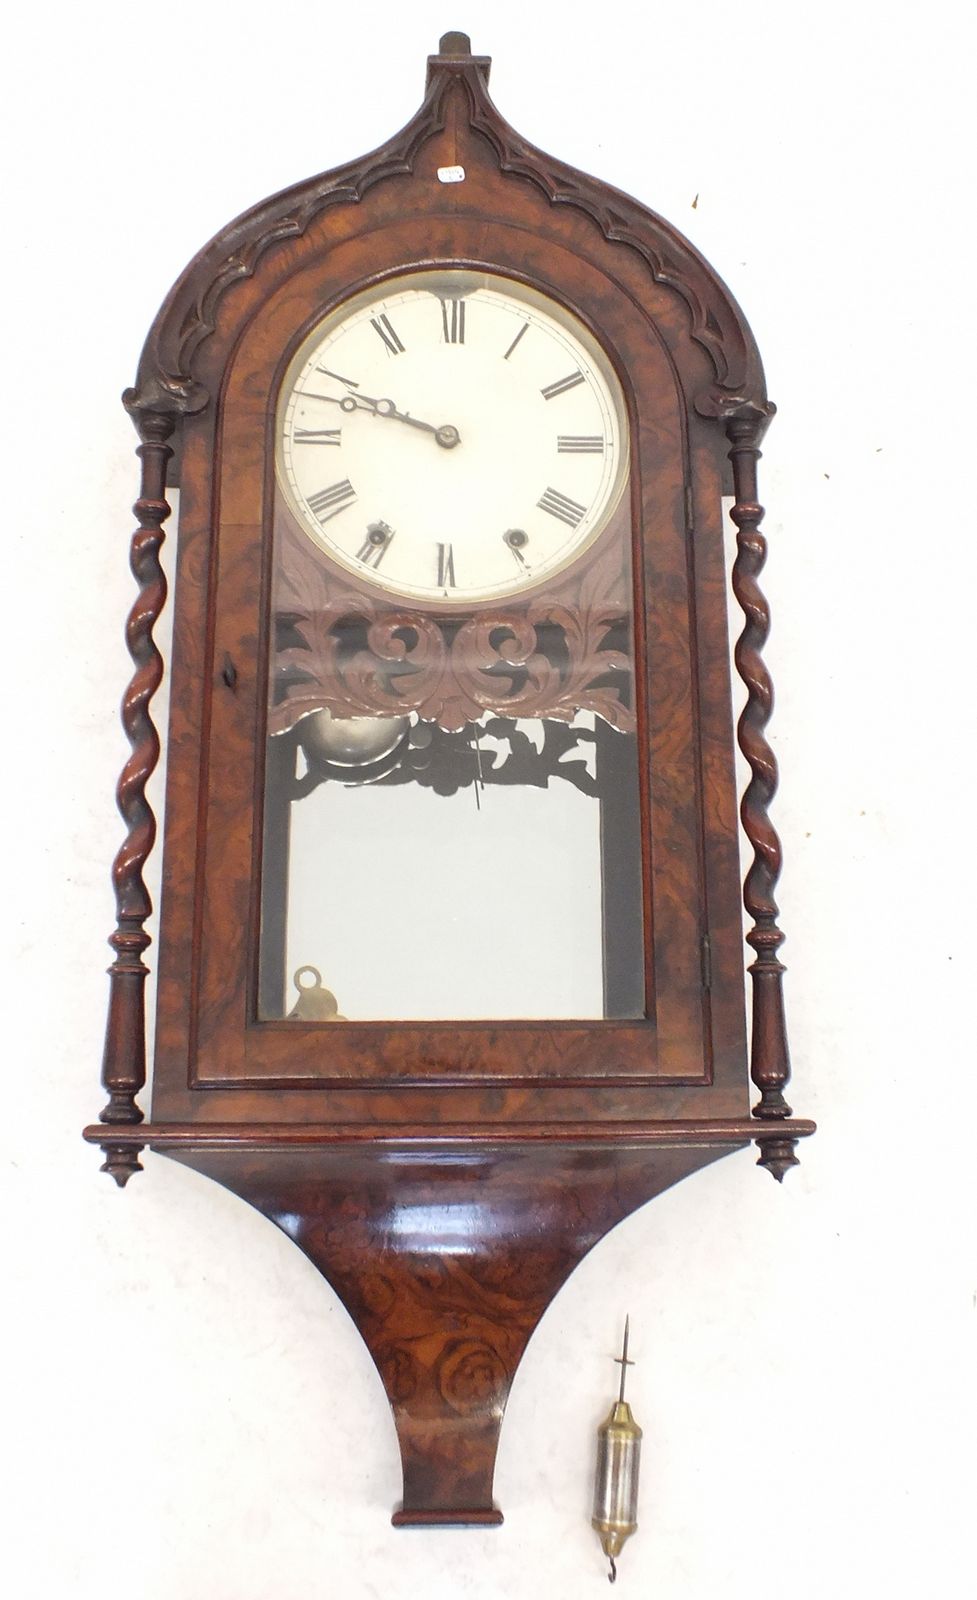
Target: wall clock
[450, 968]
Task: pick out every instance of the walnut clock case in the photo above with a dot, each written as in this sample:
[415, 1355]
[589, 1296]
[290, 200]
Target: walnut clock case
[450, 973]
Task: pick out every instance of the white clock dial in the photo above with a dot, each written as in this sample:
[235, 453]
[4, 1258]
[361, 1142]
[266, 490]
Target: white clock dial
[452, 436]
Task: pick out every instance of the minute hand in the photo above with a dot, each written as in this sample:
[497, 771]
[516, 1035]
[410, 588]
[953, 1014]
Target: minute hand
[447, 435]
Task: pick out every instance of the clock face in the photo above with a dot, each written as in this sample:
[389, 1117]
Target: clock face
[452, 436]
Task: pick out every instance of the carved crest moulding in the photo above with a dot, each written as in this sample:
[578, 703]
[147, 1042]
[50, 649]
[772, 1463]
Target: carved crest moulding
[170, 380]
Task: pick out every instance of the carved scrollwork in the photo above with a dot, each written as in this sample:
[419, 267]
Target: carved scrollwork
[189, 314]
[342, 650]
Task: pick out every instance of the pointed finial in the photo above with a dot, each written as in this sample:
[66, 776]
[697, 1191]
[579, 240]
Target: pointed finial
[454, 44]
[623, 1357]
[455, 56]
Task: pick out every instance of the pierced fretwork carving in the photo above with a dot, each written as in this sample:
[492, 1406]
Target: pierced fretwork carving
[447, 762]
[344, 651]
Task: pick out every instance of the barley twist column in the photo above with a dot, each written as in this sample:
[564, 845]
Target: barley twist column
[124, 1061]
[770, 1061]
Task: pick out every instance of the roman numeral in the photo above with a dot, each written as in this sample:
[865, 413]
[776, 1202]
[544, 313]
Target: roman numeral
[453, 321]
[561, 506]
[580, 444]
[317, 435]
[375, 545]
[553, 389]
[327, 503]
[446, 566]
[385, 328]
[515, 341]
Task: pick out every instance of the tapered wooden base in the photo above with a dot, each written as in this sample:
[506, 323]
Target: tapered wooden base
[446, 1259]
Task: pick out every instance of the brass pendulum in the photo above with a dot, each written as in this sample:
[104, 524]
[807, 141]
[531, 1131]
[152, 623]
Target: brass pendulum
[616, 1483]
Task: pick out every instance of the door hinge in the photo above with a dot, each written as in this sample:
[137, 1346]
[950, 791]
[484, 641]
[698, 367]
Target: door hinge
[689, 510]
[706, 961]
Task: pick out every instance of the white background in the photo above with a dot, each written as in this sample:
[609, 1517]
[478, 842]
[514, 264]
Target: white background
[189, 1413]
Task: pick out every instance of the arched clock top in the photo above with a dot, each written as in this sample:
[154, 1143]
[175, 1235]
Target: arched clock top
[169, 380]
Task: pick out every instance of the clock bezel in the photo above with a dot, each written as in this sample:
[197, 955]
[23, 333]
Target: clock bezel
[550, 306]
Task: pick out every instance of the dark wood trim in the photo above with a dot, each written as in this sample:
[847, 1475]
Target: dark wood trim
[770, 1060]
[624, 935]
[462, 1518]
[124, 1060]
[685, 1132]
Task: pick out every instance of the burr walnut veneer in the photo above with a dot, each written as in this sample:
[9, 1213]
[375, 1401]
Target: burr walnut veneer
[446, 1176]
